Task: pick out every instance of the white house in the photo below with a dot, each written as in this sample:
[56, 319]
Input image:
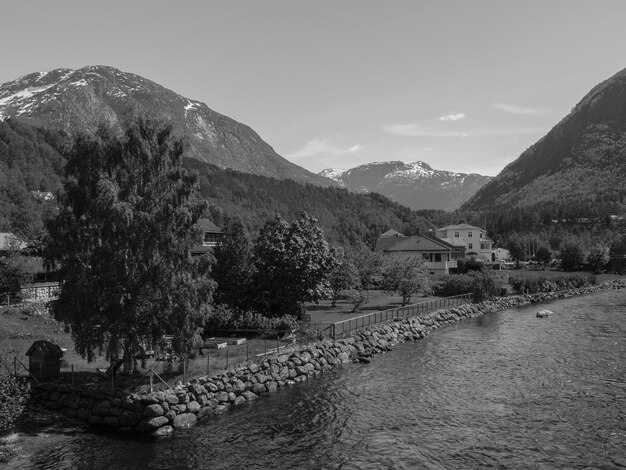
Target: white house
[475, 240]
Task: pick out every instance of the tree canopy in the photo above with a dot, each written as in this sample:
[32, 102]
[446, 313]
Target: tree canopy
[123, 241]
[293, 262]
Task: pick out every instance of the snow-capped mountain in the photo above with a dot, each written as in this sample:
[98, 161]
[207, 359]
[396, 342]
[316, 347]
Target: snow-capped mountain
[414, 184]
[79, 100]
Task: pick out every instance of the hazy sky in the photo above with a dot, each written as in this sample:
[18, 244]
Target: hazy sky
[462, 85]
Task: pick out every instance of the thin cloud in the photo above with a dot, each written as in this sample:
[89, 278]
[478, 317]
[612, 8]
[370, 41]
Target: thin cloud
[452, 117]
[420, 130]
[318, 146]
[512, 109]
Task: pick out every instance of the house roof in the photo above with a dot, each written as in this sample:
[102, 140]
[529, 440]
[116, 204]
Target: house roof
[392, 234]
[419, 243]
[208, 226]
[461, 227]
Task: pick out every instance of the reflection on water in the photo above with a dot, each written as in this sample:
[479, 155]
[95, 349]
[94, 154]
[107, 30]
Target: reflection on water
[506, 390]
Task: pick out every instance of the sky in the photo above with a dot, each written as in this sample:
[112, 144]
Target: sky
[464, 86]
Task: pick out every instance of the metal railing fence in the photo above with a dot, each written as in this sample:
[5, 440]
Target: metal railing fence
[344, 327]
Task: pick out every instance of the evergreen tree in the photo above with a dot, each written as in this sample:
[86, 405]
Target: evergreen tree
[123, 241]
[233, 270]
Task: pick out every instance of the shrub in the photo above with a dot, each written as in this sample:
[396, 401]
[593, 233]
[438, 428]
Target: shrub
[481, 283]
[14, 393]
[222, 318]
[532, 286]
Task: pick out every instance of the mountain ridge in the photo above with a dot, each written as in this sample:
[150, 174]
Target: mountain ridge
[80, 100]
[579, 166]
[414, 184]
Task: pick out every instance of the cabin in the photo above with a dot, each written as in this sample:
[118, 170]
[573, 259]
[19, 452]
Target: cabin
[436, 254]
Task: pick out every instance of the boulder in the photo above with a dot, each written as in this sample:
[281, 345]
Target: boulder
[184, 420]
[153, 410]
[163, 431]
[544, 313]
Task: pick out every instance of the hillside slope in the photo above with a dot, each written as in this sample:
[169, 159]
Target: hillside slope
[78, 100]
[578, 168]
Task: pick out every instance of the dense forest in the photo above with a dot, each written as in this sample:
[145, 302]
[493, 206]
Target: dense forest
[32, 160]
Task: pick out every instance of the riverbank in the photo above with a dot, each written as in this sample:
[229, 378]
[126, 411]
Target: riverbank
[160, 413]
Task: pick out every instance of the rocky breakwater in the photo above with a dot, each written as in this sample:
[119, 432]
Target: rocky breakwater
[161, 412]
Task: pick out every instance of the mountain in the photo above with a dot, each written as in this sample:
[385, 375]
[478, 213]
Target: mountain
[414, 184]
[578, 169]
[79, 100]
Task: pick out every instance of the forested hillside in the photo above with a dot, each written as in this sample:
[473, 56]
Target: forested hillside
[578, 170]
[31, 159]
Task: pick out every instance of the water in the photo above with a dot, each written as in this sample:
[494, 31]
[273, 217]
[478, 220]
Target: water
[506, 390]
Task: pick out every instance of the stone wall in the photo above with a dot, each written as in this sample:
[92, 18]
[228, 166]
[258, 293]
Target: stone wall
[161, 412]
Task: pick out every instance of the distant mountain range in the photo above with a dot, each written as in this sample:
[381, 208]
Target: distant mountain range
[414, 184]
[79, 100]
[577, 169]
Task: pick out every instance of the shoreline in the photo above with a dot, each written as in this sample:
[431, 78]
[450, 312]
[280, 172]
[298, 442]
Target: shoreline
[160, 413]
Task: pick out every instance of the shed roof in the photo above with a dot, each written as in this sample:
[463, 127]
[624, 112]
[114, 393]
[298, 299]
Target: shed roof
[43, 347]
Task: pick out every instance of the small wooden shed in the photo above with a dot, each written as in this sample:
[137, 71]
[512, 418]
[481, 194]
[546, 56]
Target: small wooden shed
[44, 360]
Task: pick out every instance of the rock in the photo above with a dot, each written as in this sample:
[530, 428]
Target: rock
[193, 407]
[248, 395]
[153, 410]
[206, 411]
[111, 421]
[151, 425]
[271, 386]
[239, 400]
[544, 313]
[184, 420]
[163, 431]
[259, 388]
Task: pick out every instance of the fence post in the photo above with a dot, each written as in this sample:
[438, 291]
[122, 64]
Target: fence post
[184, 368]
[277, 343]
[247, 351]
[227, 356]
[265, 341]
[208, 363]
[151, 384]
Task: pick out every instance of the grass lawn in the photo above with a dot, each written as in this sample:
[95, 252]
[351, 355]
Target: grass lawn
[323, 314]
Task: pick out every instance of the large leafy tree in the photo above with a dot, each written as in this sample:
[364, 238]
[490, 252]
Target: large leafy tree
[233, 270]
[123, 242]
[572, 256]
[344, 276]
[405, 276]
[293, 263]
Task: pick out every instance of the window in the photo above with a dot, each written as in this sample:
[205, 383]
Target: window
[469, 245]
[481, 234]
[456, 234]
[469, 234]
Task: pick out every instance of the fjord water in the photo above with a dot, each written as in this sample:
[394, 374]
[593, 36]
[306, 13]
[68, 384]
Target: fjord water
[507, 390]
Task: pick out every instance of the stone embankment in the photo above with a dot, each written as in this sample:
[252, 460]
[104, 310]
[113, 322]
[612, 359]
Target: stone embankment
[161, 412]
